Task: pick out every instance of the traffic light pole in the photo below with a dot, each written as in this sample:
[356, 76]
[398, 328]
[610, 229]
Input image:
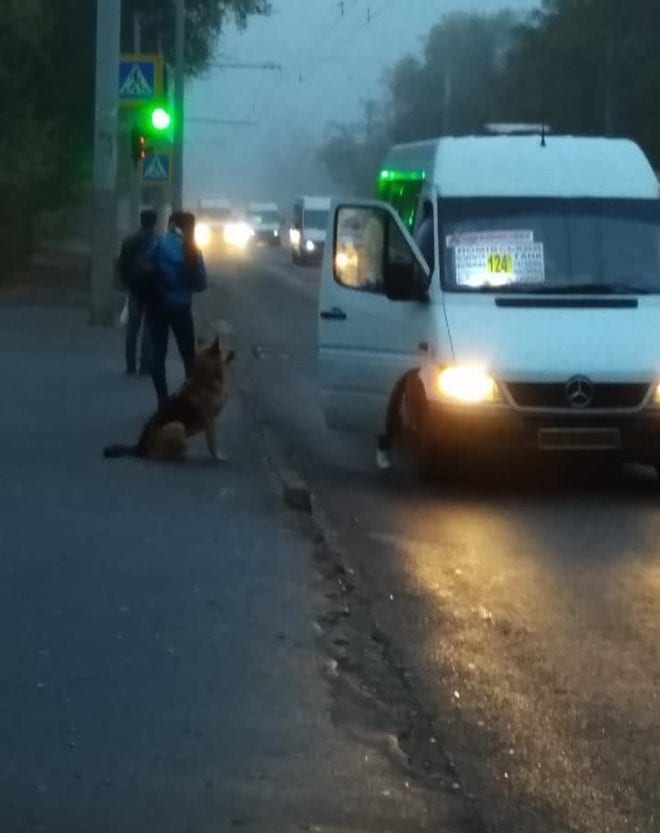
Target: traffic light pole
[104, 222]
[179, 101]
[135, 188]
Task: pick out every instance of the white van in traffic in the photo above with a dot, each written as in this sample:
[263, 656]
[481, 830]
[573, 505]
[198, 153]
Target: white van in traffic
[308, 231]
[536, 323]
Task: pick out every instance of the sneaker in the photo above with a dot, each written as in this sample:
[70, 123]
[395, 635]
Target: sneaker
[383, 462]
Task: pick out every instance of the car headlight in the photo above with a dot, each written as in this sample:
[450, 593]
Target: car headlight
[294, 236]
[238, 234]
[202, 235]
[309, 245]
[469, 385]
[656, 394]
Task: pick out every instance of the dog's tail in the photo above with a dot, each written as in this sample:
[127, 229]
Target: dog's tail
[111, 452]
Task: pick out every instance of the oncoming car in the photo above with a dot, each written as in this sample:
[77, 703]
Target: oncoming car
[213, 215]
[264, 219]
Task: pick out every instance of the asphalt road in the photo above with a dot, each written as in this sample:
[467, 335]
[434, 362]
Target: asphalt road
[520, 604]
[170, 635]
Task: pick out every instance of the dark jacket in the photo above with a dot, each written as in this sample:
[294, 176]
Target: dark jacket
[176, 281]
[134, 250]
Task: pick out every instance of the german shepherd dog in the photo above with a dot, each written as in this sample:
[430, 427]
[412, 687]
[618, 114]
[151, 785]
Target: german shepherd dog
[192, 409]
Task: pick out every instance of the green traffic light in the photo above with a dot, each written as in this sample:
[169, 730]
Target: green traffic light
[160, 119]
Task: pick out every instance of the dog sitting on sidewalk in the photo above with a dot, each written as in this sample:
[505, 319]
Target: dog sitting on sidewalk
[193, 409]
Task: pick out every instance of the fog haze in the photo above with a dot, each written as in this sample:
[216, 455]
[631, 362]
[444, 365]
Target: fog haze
[331, 64]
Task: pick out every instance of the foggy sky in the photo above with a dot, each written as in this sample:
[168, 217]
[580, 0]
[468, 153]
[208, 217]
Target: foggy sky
[330, 66]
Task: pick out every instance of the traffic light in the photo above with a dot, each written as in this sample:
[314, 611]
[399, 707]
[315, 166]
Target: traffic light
[150, 131]
[160, 119]
[138, 144]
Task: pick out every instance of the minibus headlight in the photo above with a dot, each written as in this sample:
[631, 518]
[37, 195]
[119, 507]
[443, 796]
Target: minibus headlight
[468, 385]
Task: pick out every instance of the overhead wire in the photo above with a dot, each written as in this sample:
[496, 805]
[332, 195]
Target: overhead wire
[346, 10]
[349, 7]
[347, 13]
[324, 34]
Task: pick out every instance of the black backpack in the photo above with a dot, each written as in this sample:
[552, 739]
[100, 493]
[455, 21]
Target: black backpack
[137, 268]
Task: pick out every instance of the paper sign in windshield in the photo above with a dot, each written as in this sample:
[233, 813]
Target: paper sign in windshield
[501, 264]
[515, 237]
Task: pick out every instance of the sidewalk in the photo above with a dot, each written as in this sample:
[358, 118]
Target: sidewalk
[55, 276]
[159, 668]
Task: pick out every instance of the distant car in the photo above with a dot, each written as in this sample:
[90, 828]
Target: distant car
[213, 215]
[265, 220]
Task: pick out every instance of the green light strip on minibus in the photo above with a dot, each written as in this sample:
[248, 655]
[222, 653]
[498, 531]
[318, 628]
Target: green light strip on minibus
[391, 175]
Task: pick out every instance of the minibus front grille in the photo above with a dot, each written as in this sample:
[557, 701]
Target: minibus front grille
[605, 396]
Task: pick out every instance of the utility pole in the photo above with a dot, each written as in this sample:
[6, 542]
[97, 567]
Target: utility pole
[104, 221]
[179, 101]
[447, 98]
[448, 91]
[370, 108]
[136, 189]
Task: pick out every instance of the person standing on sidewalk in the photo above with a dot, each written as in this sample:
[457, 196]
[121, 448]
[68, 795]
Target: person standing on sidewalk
[179, 273]
[134, 250]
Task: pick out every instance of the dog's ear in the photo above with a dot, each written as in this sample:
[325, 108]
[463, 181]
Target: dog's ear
[215, 346]
[230, 355]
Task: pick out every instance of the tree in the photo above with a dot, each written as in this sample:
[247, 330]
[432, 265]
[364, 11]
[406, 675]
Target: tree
[451, 88]
[47, 91]
[27, 145]
[583, 66]
[205, 20]
[591, 66]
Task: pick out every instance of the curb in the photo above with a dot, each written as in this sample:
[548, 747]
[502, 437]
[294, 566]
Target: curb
[296, 494]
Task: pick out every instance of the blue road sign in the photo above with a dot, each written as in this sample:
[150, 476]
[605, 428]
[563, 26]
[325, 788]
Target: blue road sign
[157, 168]
[140, 78]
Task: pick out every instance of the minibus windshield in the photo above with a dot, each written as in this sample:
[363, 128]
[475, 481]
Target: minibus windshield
[545, 245]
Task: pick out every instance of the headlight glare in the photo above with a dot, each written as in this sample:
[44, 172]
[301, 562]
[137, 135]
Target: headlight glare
[468, 385]
[656, 394]
[202, 235]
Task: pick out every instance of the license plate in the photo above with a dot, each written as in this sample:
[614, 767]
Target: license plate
[579, 439]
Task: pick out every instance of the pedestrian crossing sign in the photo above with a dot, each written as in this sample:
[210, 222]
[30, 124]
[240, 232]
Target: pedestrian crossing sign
[157, 168]
[140, 78]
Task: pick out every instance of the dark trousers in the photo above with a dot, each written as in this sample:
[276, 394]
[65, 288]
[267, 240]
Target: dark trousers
[162, 318]
[137, 319]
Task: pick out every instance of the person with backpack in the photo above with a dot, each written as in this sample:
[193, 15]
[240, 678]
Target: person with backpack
[132, 259]
[178, 272]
